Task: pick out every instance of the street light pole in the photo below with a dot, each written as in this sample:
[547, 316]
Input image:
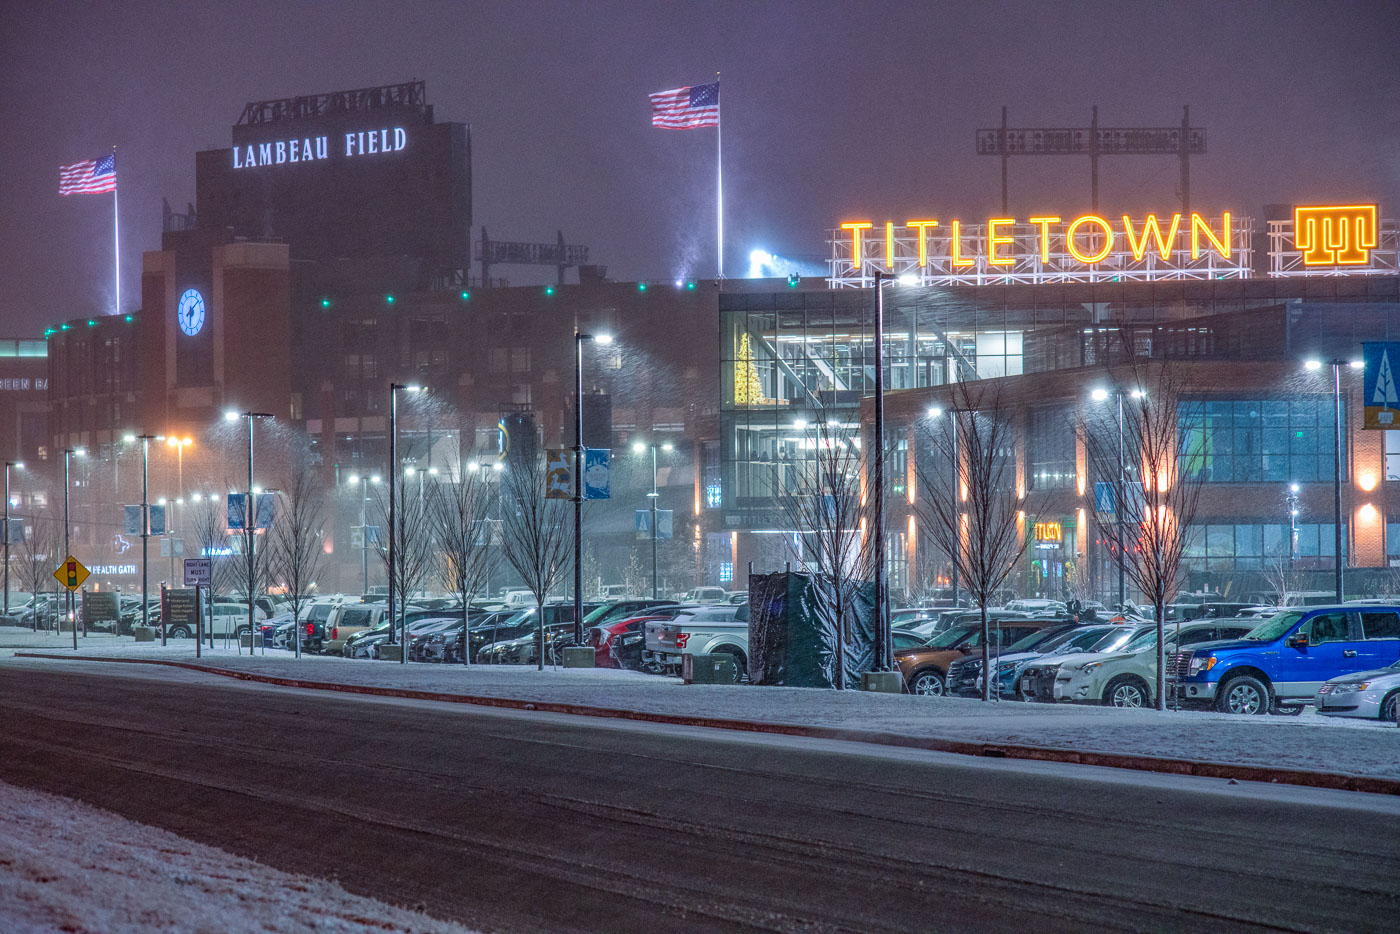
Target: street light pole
[146, 534]
[1337, 363]
[394, 531]
[653, 496]
[579, 338]
[67, 545]
[250, 520]
[8, 465]
[884, 652]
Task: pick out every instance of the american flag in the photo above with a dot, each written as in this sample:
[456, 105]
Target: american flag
[685, 108]
[94, 175]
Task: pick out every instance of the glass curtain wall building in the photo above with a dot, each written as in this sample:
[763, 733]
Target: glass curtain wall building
[791, 360]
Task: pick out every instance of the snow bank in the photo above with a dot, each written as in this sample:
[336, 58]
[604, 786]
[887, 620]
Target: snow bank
[65, 866]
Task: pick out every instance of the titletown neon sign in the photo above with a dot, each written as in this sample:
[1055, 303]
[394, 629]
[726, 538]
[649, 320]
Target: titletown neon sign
[318, 148]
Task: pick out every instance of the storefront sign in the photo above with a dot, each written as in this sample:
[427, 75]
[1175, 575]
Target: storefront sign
[1049, 532]
[320, 148]
[1379, 392]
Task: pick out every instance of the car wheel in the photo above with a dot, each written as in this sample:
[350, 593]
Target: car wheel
[1125, 692]
[179, 632]
[1281, 710]
[929, 684]
[741, 664]
[1244, 694]
[1388, 706]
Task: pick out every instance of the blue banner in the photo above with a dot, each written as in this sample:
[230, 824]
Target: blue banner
[1379, 392]
[596, 481]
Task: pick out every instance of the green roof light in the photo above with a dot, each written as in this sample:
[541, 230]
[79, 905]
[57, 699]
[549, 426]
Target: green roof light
[389, 299]
[549, 290]
[64, 327]
[92, 323]
[641, 286]
[690, 286]
[466, 295]
[129, 318]
[325, 303]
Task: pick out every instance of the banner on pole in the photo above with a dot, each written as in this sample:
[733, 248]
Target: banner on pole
[237, 510]
[133, 519]
[157, 520]
[1379, 393]
[596, 478]
[559, 476]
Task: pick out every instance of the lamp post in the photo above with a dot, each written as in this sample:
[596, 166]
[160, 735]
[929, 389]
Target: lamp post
[579, 338]
[364, 529]
[179, 444]
[146, 533]
[487, 470]
[8, 465]
[394, 474]
[249, 520]
[1336, 364]
[884, 650]
[1119, 485]
[653, 496]
[67, 546]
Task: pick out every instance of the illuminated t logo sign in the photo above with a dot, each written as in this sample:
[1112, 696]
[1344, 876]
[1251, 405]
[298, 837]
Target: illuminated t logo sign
[1337, 235]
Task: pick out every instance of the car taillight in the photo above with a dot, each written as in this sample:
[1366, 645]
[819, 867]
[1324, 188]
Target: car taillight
[311, 629]
[335, 631]
[681, 639]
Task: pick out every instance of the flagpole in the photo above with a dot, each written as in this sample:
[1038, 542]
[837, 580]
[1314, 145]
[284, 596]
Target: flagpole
[719, 180]
[116, 241]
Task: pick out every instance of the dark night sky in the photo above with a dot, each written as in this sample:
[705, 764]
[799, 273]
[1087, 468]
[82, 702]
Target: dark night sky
[831, 111]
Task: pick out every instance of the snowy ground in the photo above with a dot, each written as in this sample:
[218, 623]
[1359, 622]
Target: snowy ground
[65, 866]
[1306, 742]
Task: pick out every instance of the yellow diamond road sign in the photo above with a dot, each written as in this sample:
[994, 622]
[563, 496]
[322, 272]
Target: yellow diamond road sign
[71, 573]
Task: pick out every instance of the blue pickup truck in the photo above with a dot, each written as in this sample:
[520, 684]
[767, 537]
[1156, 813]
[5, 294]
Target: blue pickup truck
[1280, 664]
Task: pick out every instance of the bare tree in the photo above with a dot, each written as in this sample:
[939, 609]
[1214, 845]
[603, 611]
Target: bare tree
[458, 512]
[415, 550]
[208, 521]
[295, 540]
[37, 555]
[1162, 470]
[821, 498]
[1282, 578]
[978, 515]
[538, 534]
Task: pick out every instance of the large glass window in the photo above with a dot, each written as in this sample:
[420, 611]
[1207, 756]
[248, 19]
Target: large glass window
[1243, 546]
[1050, 448]
[1259, 440]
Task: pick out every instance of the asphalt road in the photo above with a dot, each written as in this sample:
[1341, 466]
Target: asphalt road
[543, 823]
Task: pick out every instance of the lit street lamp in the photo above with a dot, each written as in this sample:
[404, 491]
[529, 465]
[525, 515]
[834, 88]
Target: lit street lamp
[249, 519]
[364, 483]
[1336, 364]
[884, 647]
[67, 547]
[579, 338]
[393, 530]
[8, 465]
[1119, 486]
[1292, 523]
[639, 448]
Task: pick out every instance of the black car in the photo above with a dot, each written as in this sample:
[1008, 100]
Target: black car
[964, 673]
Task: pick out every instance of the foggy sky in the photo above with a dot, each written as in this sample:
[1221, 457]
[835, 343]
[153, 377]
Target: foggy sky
[831, 111]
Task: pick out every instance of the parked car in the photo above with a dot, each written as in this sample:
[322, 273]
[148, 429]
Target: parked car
[522, 623]
[925, 669]
[1127, 677]
[228, 621]
[627, 644]
[1035, 681]
[523, 649]
[368, 643]
[904, 639]
[1035, 605]
[964, 676]
[1281, 664]
[1372, 694]
[706, 630]
[346, 620]
[1081, 638]
[705, 595]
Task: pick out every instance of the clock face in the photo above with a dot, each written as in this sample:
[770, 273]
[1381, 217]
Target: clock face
[190, 312]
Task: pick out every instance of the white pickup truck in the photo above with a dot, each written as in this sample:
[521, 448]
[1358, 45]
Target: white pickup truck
[708, 630]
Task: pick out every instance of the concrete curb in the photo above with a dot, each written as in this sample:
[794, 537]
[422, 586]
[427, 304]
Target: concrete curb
[1243, 773]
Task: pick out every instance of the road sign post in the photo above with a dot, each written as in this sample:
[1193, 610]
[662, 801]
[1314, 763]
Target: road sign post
[70, 575]
[198, 571]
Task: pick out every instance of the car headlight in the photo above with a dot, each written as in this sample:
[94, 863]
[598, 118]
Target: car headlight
[1350, 687]
[1090, 666]
[1200, 664]
[1004, 668]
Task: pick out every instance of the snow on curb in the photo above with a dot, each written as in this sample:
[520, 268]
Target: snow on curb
[66, 866]
[1180, 766]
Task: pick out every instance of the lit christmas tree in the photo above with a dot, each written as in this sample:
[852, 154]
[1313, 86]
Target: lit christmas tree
[748, 387]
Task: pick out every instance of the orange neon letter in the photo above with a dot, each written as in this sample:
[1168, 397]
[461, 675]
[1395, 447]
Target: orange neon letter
[889, 245]
[957, 246]
[993, 239]
[922, 227]
[1074, 226]
[855, 227]
[1150, 226]
[1198, 225]
[1044, 224]
[1341, 235]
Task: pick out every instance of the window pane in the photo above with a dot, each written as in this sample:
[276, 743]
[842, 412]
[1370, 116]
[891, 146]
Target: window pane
[1380, 625]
